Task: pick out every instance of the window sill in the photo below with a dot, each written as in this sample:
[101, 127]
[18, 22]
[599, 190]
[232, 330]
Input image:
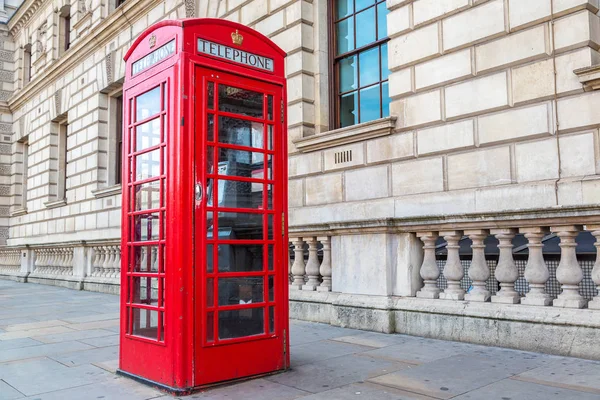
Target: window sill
[18, 212]
[107, 191]
[56, 203]
[589, 77]
[350, 134]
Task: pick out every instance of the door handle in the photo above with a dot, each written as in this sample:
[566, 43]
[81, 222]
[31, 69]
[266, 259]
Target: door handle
[199, 191]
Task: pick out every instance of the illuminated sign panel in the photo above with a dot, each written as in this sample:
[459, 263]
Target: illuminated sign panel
[153, 58]
[235, 55]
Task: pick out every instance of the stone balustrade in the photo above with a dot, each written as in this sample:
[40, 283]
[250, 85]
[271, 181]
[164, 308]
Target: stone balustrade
[455, 281]
[106, 261]
[309, 271]
[10, 261]
[56, 261]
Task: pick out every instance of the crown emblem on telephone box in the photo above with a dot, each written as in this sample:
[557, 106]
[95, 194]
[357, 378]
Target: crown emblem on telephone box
[152, 41]
[237, 38]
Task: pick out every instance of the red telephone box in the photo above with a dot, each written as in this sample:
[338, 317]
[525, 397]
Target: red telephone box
[204, 243]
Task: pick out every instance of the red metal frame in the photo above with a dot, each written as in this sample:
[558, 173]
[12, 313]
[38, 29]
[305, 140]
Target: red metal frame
[179, 357]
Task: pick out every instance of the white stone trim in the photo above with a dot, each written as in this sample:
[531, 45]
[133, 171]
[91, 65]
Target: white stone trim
[589, 77]
[107, 191]
[56, 203]
[350, 134]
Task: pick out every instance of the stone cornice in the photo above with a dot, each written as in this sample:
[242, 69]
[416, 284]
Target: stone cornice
[589, 77]
[23, 15]
[97, 37]
[351, 134]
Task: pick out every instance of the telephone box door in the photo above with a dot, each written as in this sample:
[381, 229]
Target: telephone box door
[239, 227]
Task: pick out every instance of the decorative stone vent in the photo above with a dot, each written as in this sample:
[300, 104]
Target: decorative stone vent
[343, 156]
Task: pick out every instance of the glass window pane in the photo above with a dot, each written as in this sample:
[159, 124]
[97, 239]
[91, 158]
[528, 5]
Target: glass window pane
[242, 163]
[240, 257]
[370, 108]
[270, 107]
[210, 127]
[241, 132]
[270, 137]
[210, 93]
[385, 100]
[145, 227]
[349, 109]
[148, 104]
[210, 327]
[365, 22]
[144, 258]
[271, 288]
[272, 319]
[240, 226]
[271, 257]
[345, 35]
[210, 296]
[348, 74]
[147, 165]
[145, 323]
[147, 196]
[385, 72]
[362, 4]
[381, 20]
[209, 258]
[147, 134]
[145, 290]
[235, 194]
[270, 226]
[269, 197]
[344, 8]
[240, 323]
[240, 101]
[369, 67]
[245, 290]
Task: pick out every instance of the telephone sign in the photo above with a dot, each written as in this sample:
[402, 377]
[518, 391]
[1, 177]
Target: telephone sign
[204, 253]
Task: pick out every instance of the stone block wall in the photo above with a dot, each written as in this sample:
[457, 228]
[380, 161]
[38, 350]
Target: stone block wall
[487, 115]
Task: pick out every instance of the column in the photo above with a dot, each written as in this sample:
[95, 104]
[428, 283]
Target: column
[595, 303]
[569, 272]
[479, 271]
[536, 270]
[298, 266]
[453, 271]
[312, 266]
[429, 270]
[325, 269]
[506, 270]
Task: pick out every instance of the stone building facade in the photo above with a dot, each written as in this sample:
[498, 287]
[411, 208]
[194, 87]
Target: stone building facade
[430, 141]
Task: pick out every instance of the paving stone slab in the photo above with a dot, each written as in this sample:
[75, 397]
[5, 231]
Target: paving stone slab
[335, 372]
[113, 389]
[322, 350]
[103, 341]
[418, 351]
[41, 351]
[73, 335]
[93, 317]
[88, 356]
[7, 392]
[252, 389]
[510, 389]
[302, 332]
[456, 375]
[18, 343]
[34, 332]
[582, 375]
[34, 325]
[366, 391]
[373, 339]
[38, 376]
[109, 323]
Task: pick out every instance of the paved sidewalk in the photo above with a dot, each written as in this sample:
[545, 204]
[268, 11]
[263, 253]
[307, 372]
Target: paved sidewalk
[61, 344]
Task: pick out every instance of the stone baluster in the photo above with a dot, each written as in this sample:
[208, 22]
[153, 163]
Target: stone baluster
[506, 270]
[38, 260]
[536, 270]
[110, 262]
[569, 272]
[53, 260]
[96, 261]
[298, 266]
[289, 257]
[429, 270]
[312, 266]
[595, 303]
[453, 270]
[325, 269]
[117, 263]
[107, 261]
[479, 271]
[101, 261]
[71, 254]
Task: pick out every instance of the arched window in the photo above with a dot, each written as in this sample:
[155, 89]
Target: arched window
[360, 62]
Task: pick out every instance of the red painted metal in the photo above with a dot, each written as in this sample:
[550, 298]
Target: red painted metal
[167, 290]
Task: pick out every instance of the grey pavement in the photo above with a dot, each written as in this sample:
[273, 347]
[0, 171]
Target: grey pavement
[62, 344]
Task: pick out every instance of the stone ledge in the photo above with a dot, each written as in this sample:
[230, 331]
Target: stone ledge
[350, 134]
[56, 203]
[107, 191]
[18, 212]
[589, 77]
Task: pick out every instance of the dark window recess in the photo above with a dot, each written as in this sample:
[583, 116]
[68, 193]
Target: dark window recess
[67, 22]
[118, 3]
[359, 61]
[119, 138]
